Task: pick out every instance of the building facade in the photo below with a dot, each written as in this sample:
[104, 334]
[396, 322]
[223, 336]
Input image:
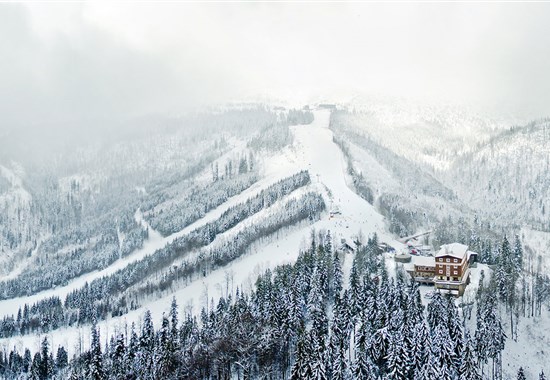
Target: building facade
[452, 268]
[423, 270]
[449, 270]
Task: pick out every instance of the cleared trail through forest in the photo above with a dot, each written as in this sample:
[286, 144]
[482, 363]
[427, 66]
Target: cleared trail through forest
[313, 150]
[152, 244]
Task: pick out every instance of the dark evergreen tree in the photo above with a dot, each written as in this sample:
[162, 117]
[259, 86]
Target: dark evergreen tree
[35, 372]
[397, 358]
[46, 366]
[363, 368]
[27, 360]
[61, 358]
[521, 374]
[96, 357]
[301, 368]
[468, 365]
[118, 354]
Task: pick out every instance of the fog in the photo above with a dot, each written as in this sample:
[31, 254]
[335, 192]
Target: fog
[80, 64]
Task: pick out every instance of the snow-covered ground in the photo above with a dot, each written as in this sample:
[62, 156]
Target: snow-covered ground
[539, 241]
[314, 150]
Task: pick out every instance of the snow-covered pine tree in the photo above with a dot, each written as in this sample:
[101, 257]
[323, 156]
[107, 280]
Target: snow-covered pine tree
[301, 368]
[443, 353]
[35, 371]
[317, 357]
[430, 371]
[96, 357]
[46, 364]
[363, 368]
[397, 358]
[420, 348]
[118, 354]
[339, 342]
[173, 315]
[437, 313]
[131, 352]
[468, 365]
[337, 277]
[61, 358]
[518, 252]
[164, 350]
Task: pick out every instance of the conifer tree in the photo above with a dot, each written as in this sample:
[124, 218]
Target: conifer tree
[518, 253]
[133, 347]
[35, 371]
[300, 368]
[337, 278]
[397, 358]
[118, 358]
[61, 359]
[318, 369]
[468, 366]
[521, 374]
[363, 368]
[442, 351]
[420, 348]
[96, 357]
[27, 360]
[46, 365]
[431, 370]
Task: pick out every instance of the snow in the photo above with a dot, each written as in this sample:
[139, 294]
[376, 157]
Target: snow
[313, 149]
[21, 266]
[454, 250]
[15, 208]
[539, 242]
[152, 244]
[532, 349]
[424, 261]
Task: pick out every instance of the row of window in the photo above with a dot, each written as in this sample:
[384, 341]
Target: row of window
[448, 278]
[454, 272]
[448, 260]
[454, 266]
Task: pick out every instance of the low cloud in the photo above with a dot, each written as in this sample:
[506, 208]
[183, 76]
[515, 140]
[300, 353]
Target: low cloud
[70, 63]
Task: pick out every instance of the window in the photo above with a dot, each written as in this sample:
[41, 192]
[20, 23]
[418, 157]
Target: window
[455, 272]
[440, 272]
[440, 260]
[455, 267]
[456, 261]
[448, 260]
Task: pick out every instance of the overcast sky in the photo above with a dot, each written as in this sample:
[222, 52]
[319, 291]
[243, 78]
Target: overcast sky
[72, 62]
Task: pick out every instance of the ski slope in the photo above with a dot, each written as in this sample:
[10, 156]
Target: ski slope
[314, 150]
[152, 244]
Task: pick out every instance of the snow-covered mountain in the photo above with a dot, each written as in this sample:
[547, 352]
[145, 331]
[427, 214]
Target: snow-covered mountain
[194, 215]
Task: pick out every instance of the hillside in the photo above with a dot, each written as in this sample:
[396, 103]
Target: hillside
[507, 177]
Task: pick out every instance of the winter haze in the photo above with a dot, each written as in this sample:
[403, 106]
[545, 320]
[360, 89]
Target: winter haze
[68, 61]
